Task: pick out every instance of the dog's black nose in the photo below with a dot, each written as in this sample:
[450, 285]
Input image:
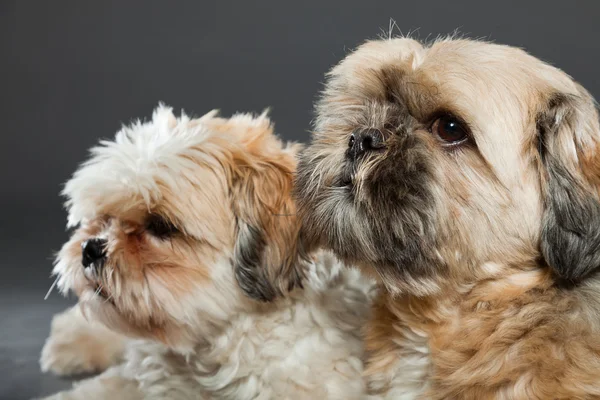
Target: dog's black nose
[93, 250]
[364, 141]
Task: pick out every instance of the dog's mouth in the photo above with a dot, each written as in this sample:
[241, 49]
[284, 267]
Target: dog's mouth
[347, 181]
[91, 270]
[92, 274]
[101, 291]
[352, 171]
[347, 177]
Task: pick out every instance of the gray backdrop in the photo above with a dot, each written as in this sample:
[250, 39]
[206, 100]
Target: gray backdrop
[72, 72]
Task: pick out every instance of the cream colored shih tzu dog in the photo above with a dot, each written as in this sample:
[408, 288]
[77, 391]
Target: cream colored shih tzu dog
[465, 176]
[186, 238]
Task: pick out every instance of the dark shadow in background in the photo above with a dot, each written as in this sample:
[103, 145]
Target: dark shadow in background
[72, 72]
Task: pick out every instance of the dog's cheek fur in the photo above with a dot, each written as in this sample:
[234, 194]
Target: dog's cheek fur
[404, 215]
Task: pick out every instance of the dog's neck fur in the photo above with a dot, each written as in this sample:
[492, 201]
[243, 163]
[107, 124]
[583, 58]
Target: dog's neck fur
[256, 344]
[224, 306]
[220, 332]
[485, 339]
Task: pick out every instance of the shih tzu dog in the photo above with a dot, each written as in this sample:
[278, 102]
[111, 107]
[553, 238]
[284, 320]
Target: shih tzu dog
[465, 177]
[186, 239]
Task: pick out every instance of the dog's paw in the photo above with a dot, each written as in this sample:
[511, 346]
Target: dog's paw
[111, 384]
[76, 346]
[68, 356]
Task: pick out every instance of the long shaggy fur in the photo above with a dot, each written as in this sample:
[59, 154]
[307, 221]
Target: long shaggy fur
[488, 250]
[202, 292]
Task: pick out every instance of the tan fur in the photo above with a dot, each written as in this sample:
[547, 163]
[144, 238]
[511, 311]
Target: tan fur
[513, 338]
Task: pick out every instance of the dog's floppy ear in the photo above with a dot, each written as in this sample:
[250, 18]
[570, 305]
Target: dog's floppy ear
[568, 141]
[266, 254]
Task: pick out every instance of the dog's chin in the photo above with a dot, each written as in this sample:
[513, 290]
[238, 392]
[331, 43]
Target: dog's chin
[97, 301]
[96, 308]
[87, 285]
[98, 304]
[335, 219]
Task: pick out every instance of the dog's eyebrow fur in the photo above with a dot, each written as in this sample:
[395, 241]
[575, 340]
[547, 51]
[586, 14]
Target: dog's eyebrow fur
[414, 94]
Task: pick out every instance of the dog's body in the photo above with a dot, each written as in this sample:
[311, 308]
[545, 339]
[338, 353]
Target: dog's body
[197, 261]
[464, 176]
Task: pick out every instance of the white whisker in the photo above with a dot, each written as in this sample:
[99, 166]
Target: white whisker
[393, 25]
[51, 287]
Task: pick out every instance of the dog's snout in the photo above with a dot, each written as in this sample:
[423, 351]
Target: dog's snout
[365, 141]
[93, 250]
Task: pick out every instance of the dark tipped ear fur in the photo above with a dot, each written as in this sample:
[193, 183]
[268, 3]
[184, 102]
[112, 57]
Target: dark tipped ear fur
[266, 258]
[248, 257]
[568, 139]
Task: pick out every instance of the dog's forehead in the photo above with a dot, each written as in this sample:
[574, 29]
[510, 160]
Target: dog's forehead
[177, 190]
[464, 74]
[168, 162]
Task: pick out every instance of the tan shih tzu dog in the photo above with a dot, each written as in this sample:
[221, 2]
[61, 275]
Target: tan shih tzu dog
[465, 176]
[187, 238]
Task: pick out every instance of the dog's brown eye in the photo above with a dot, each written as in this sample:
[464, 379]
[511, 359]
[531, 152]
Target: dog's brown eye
[449, 129]
[160, 227]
